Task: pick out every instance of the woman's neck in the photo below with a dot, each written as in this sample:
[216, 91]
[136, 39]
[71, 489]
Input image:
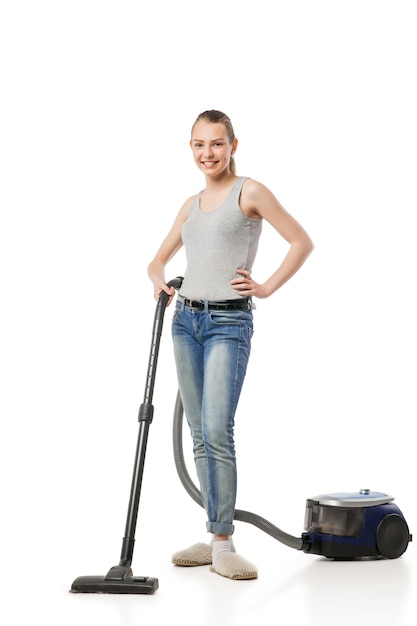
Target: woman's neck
[220, 182]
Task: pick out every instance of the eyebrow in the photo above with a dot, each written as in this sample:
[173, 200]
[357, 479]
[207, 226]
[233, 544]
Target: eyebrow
[214, 140]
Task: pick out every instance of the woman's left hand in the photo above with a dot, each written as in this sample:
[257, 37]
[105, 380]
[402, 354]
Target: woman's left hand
[246, 286]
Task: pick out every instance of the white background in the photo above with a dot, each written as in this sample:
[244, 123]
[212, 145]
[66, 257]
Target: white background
[98, 98]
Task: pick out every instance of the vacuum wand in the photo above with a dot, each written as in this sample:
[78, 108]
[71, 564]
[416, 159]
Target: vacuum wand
[145, 417]
[120, 578]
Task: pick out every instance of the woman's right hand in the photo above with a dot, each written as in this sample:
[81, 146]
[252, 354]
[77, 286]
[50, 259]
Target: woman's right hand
[161, 286]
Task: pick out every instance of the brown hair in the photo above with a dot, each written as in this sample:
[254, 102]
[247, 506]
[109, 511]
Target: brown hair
[217, 117]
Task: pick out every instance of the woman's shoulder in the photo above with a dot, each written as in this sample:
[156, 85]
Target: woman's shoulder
[252, 195]
[187, 205]
[252, 187]
[190, 201]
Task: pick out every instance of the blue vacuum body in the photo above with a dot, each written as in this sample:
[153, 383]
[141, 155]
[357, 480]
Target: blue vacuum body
[355, 525]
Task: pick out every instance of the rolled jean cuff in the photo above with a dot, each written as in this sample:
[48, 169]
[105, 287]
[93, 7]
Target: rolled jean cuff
[219, 528]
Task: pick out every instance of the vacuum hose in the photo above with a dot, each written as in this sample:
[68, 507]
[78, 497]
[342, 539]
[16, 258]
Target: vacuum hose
[243, 516]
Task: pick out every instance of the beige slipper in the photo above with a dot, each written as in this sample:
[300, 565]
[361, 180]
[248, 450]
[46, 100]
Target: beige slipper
[233, 566]
[197, 554]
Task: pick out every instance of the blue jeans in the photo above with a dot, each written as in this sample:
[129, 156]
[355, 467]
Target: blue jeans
[211, 351]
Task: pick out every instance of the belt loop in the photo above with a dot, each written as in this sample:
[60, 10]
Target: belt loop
[206, 309]
[181, 301]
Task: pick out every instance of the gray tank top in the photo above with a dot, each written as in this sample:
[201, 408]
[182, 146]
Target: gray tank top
[217, 243]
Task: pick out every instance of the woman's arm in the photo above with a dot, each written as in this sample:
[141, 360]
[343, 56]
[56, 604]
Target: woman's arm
[169, 247]
[257, 201]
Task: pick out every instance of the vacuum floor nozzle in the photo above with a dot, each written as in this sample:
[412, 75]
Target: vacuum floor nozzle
[102, 584]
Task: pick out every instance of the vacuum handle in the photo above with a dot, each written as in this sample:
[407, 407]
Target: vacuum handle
[176, 283]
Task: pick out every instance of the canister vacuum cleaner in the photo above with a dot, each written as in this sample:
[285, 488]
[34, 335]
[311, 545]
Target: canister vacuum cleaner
[342, 526]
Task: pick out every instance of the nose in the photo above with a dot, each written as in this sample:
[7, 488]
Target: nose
[208, 151]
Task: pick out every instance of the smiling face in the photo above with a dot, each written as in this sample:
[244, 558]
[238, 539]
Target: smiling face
[212, 148]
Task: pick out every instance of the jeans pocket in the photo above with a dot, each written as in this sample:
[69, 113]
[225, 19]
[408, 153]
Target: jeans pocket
[225, 317]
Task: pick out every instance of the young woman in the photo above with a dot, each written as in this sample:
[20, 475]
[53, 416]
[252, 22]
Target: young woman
[213, 321]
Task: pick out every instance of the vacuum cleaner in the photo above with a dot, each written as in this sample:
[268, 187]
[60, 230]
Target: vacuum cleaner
[338, 526]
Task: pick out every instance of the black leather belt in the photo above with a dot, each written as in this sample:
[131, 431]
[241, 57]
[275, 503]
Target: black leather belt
[240, 304]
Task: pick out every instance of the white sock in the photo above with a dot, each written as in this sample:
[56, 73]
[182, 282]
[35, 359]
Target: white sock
[232, 547]
[220, 548]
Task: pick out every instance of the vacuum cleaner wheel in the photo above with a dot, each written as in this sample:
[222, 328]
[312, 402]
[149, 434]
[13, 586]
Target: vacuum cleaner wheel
[392, 536]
